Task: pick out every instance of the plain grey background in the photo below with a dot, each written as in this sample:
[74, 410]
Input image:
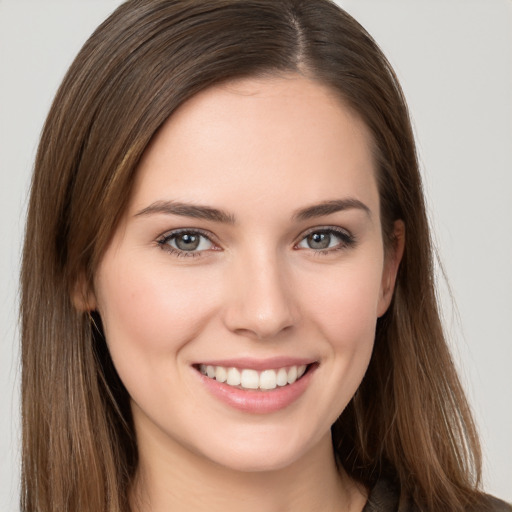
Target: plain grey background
[454, 59]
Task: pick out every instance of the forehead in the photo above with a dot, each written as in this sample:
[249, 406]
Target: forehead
[259, 138]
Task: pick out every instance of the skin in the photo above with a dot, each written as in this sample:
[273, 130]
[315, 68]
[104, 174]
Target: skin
[260, 150]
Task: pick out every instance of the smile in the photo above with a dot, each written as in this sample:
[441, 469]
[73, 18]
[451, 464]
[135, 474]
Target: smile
[257, 386]
[245, 378]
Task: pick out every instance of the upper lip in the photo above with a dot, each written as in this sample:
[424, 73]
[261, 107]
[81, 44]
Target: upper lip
[258, 364]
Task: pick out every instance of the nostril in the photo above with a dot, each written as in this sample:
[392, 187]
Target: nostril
[261, 334]
[261, 303]
[262, 325]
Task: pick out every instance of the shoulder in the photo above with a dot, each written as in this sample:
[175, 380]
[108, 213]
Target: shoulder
[491, 504]
[385, 497]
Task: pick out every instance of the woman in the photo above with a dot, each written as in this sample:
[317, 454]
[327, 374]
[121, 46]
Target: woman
[227, 288]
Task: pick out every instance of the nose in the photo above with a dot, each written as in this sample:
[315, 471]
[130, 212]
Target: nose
[261, 303]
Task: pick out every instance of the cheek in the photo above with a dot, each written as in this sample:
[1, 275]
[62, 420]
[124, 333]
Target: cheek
[342, 308]
[345, 304]
[148, 311]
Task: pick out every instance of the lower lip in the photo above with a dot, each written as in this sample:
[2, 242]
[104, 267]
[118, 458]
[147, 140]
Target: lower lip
[256, 401]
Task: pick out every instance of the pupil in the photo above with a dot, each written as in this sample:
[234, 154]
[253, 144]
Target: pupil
[187, 242]
[319, 240]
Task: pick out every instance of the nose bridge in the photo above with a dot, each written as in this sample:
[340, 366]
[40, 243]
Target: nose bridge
[261, 301]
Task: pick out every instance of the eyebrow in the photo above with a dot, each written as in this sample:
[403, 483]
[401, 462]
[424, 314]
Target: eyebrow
[188, 210]
[216, 215]
[329, 207]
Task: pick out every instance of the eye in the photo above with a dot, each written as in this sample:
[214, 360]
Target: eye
[186, 242]
[326, 239]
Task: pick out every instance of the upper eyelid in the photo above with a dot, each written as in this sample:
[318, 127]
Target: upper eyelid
[332, 229]
[326, 228]
[347, 238]
[163, 242]
[174, 232]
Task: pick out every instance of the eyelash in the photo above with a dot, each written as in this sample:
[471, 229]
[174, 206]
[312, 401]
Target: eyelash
[347, 241]
[163, 242]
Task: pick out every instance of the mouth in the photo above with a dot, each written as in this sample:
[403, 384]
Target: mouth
[257, 387]
[256, 380]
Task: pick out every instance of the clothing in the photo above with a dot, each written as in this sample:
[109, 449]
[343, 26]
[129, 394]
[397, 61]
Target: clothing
[385, 497]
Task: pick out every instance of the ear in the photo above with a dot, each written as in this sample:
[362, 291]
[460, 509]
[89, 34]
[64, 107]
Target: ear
[83, 296]
[392, 260]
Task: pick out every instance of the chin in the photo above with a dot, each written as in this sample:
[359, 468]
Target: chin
[264, 453]
[251, 462]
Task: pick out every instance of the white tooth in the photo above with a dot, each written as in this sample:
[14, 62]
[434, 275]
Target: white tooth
[210, 371]
[301, 370]
[268, 379]
[221, 374]
[250, 379]
[292, 374]
[233, 377]
[202, 369]
[282, 377]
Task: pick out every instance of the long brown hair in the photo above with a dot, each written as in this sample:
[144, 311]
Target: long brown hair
[409, 418]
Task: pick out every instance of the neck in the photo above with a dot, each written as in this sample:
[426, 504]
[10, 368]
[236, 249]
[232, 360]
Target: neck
[179, 479]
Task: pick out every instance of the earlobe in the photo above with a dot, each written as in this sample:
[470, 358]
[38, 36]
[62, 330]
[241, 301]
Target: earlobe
[83, 296]
[392, 261]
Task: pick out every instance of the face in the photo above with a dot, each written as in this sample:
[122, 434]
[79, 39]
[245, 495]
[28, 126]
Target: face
[239, 295]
